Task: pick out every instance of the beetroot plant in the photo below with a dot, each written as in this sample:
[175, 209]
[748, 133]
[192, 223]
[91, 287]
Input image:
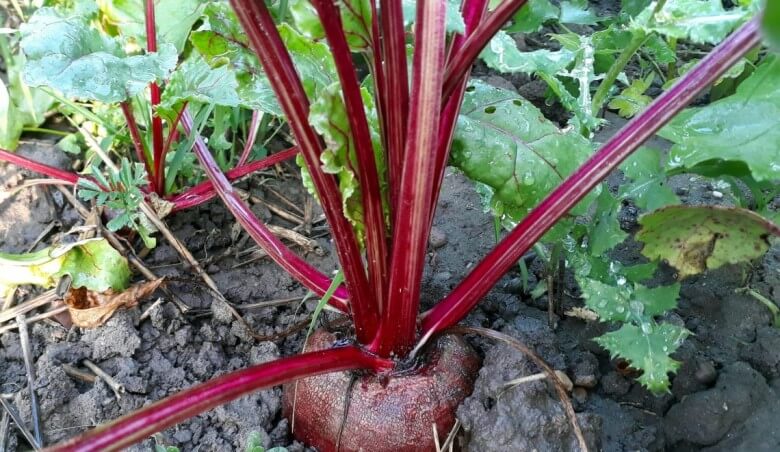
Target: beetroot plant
[375, 152]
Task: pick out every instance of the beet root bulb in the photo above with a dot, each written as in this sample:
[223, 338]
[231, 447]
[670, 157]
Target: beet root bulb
[384, 413]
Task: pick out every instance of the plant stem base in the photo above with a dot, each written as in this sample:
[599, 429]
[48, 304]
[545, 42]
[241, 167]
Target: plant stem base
[385, 413]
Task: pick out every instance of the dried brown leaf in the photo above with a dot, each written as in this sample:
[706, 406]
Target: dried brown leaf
[90, 309]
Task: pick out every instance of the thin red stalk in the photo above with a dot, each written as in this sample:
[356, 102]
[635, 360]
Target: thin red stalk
[291, 262]
[154, 88]
[376, 235]
[140, 424]
[277, 63]
[138, 143]
[412, 216]
[205, 190]
[482, 278]
[378, 71]
[254, 127]
[42, 168]
[173, 130]
[461, 63]
[473, 12]
[395, 91]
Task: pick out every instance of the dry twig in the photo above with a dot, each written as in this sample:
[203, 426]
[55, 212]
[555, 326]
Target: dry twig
[24, 338]
[19, 423]
[35, 318]
[115, 386]
[27, 306]
[79, 374]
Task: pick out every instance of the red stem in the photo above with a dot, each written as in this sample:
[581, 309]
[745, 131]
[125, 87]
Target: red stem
[482, 278]
[154, 88]
[291, 262]
[376, 235]
[42, 168]
[395, 90]
[378, 70]
[412, 215]
[138, 425]
[254, 127]
[173, 132]
[461, 63]
[473, 12]
[204, 191]
[267, 43]
[138, 144]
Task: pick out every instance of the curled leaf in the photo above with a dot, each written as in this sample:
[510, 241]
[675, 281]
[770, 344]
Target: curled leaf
[90, 309]
[92, 263]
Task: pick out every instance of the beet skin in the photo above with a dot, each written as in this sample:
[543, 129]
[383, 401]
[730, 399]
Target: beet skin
[385, 413]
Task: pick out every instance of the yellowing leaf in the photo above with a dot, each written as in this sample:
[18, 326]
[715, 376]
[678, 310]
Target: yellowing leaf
[92, 263]
[695, 239]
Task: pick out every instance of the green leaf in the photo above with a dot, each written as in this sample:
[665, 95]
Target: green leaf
[503, 55]
[453, 20]
[221, 41]
[611, 303]
[313, 61]
[20, 105]
[660, 51]
[254, 443]
[92, 263]
[605, 232]
[329, 117]
[532, 16]
[584, 74]
[770, 24]
[647, 347]
[159, 448]
[640, 340]
[573, 12]
[355, 17]
[647, 187]
[65, 53]
[741, 127]
[634, 7]
[196, 81]
[657, 300]
[639, 272]
[504, 142]
[125, 199]
[10, 126]
[174, 19]
[701, 21]
[632, 100]
[695, 239]
[624, 302]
